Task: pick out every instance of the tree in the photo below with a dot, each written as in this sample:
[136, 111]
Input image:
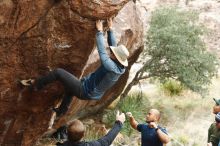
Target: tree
[175, 49]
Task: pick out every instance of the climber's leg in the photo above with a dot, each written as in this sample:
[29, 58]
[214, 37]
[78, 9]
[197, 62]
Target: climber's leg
[70, 82]
[72, 87]
[64, 106]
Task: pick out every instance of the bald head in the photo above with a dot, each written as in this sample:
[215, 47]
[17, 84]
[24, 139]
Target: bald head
[153, 115]
[156, 113]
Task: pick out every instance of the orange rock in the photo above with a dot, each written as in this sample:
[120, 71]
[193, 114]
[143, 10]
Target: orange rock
[37, 35]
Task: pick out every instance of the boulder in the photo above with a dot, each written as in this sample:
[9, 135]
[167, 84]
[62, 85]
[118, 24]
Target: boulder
[39, 35]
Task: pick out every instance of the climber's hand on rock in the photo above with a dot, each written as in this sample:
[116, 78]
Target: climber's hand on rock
[99, 25]
[209, 144]
[109, 21]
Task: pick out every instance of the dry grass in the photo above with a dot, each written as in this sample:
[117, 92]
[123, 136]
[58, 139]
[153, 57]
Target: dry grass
[187, 116]
[46, 142]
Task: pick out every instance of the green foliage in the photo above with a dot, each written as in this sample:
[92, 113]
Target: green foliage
[132, 103]
[172, 87]
[177, 51]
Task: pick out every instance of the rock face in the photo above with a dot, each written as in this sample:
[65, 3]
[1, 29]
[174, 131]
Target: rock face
[41, 34]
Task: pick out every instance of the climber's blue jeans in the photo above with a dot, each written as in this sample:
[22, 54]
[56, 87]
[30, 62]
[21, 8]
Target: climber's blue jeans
[72, 86]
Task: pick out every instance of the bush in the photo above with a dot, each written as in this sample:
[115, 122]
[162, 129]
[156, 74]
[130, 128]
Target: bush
[172, 87]
[132, 103]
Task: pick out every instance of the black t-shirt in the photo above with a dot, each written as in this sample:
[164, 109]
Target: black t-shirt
[149, 136]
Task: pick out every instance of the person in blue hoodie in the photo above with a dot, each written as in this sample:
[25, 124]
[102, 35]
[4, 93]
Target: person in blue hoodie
[94, 85]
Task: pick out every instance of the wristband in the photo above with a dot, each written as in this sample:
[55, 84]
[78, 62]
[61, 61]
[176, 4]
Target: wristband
[157, 129]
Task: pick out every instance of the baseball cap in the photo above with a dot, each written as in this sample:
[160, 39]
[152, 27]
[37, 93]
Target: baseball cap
[217, 101]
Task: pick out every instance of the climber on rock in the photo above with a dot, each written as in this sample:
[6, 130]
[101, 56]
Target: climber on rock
[94, 85]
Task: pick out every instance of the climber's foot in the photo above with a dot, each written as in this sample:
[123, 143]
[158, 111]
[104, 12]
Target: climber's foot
[58, 112]
[29, 83]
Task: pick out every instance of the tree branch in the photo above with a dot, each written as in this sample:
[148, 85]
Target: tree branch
[136, 79]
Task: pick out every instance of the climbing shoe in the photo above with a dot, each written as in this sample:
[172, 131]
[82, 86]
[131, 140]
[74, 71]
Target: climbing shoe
[58, 112]
[29, 83]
